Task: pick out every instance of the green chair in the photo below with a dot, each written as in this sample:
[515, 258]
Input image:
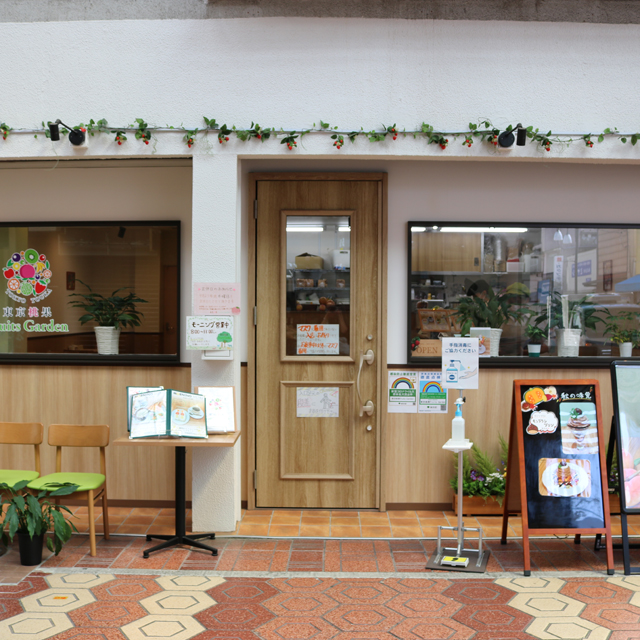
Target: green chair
[21, 433]
[91, 486]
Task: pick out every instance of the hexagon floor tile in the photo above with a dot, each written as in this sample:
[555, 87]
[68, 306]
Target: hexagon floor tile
[187, 606]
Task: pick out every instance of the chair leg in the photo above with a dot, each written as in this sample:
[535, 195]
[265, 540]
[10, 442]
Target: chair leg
[105, 512]
[92, 525]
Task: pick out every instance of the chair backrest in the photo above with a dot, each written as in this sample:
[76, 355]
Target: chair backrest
[23, 433]
[79, 435]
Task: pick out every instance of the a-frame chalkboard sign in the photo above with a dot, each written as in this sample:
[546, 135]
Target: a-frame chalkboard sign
[556, 473]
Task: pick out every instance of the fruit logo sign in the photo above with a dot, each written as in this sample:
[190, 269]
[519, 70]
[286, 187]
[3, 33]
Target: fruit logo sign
[28, 274]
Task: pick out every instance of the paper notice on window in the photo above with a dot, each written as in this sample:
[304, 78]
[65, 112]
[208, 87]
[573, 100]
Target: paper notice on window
[402, 391]
[317, 402]
[318, 339]
[432, 396]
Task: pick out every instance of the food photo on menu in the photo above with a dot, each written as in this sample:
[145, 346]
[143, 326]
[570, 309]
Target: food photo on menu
[578, 425]
[564, 478]
[628, 410]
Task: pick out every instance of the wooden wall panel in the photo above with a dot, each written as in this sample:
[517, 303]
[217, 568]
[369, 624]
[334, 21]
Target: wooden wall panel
[418, 470]
[92, 395]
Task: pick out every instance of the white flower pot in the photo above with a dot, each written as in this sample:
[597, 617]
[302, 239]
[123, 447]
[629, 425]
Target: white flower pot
[494, 346]
[534, 350]
[108, 340]
[568, 342]
[625, 349]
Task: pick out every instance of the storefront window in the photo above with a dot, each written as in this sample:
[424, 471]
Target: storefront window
[61, 281]
[574, 291]
[318, 285]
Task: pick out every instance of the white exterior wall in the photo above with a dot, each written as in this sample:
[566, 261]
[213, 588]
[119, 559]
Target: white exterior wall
[290, 73]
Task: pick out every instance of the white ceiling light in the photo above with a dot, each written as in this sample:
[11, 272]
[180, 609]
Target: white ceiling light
[344, 229]
[557, 236]
[418, 229]
[484, 229]
[304, 228]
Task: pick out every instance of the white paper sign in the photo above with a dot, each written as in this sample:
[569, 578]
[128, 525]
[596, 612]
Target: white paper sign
[318, 340]
[558, 268]
[432, 396]
[317, 402]
[211, 333]
[460, 363]
[220, 408]
[403, 391]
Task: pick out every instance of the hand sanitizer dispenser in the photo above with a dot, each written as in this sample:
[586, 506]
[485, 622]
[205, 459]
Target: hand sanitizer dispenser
[457, 424]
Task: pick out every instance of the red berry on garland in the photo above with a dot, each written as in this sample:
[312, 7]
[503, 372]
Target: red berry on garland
[227, 139]
[119, 142]
[259, 136]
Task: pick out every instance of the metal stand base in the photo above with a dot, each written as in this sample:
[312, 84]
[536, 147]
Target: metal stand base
[478, 558]
[173, 540]
[180, 536]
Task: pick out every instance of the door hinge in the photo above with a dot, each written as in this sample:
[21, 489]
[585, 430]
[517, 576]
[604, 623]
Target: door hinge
[255, 316]
[255, 209]
[255, 478]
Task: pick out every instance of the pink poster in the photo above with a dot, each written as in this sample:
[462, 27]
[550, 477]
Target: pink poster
[216, 298]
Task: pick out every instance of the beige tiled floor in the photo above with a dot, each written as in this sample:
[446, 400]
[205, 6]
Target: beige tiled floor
[314, 523]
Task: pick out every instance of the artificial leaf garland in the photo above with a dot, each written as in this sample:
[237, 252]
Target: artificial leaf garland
[484, 131]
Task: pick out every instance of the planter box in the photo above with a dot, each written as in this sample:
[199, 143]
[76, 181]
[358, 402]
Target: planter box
[614, 503]
[477, 506]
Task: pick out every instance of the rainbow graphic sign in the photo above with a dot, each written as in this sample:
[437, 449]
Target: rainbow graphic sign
[433, 397]
[403, 391]
[403, 383]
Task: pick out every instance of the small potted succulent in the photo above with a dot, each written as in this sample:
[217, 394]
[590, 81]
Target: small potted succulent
[111, 314]
[31, 516]
[623, 329]
[536, 335]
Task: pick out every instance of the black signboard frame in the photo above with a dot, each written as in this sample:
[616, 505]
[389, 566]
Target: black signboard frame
[547, 446]
[622, 448]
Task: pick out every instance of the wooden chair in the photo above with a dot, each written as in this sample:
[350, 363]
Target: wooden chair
[21, 433]
[90, 485]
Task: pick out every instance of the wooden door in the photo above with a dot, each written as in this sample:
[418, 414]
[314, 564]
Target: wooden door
[315, 317]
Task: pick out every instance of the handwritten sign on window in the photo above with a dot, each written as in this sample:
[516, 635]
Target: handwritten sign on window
[213, 298]
[318, 340]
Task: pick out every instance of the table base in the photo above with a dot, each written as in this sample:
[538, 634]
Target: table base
[175, 540]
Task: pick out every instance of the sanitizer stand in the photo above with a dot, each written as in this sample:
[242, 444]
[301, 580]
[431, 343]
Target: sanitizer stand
[472, 560]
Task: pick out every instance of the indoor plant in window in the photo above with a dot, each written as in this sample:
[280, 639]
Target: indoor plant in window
[536, 335]
[570, 318]
[485, 308]
[31, 516]
[623, 329]
[110, 313]
[483, 482]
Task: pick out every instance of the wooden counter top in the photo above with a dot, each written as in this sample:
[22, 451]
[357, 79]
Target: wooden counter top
[214, 440]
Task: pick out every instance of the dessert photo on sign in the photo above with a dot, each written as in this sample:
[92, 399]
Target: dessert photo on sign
[579, 428]
[563, 478]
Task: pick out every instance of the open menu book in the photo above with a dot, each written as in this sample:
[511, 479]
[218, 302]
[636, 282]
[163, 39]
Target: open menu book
[131, 391]
[167, 412]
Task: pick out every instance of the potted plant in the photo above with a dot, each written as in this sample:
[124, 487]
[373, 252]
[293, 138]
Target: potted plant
[483, 481]
[31, 516]
[536, 336]
[488, 309]
[570, 319]
[110, 313]
[623, 329]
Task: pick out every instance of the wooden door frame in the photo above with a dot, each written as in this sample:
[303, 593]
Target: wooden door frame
[381, 356]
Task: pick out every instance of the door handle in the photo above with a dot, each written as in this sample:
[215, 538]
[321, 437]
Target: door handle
[368, 406]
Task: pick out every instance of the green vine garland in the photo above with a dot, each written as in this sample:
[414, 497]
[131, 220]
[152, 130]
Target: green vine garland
[484, 131]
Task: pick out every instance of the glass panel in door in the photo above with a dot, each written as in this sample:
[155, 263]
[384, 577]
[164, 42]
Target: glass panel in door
[318, 285]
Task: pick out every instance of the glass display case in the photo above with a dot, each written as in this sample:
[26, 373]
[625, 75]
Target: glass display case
[572, 290]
